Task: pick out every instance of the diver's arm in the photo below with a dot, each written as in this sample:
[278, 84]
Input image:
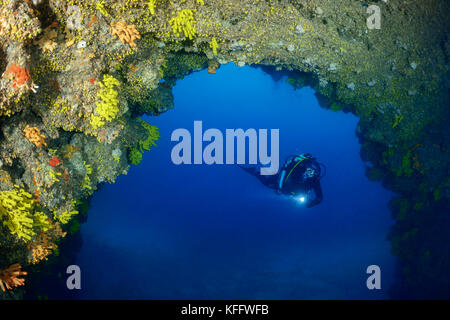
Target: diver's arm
[319, 195]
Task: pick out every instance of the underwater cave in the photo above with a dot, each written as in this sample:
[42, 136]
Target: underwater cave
[104, 167]
[214, 232]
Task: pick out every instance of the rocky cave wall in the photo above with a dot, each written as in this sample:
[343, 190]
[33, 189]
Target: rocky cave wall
[75, 76]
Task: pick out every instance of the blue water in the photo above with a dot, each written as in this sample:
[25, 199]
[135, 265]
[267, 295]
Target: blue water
[214, 232]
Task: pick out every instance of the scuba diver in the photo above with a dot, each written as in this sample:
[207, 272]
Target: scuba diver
[299, 177]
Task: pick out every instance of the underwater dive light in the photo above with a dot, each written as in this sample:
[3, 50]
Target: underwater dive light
[302, 199]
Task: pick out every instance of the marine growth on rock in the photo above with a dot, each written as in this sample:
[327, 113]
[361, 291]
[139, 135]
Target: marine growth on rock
[76, 76]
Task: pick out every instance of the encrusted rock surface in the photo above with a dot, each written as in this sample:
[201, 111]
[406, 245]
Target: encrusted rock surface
[394, 78]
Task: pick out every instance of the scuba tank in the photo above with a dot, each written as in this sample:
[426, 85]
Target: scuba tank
[297, 161]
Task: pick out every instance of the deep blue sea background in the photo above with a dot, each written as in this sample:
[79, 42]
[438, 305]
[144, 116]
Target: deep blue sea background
[214, 232]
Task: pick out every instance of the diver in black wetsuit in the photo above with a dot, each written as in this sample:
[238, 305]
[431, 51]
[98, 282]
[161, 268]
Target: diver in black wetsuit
[299, 177]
